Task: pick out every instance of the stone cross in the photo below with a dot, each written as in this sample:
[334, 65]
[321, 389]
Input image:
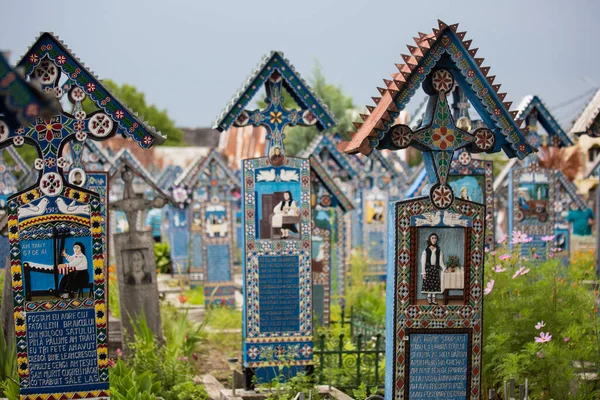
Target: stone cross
[131, 204]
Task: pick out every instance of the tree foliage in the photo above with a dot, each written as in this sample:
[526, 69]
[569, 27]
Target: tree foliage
[135, 100]
[159, 119]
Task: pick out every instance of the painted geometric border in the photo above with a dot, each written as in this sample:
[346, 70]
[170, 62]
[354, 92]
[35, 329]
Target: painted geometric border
[98, 234]
[546, 228]
[486, 168]
[324, 278]
[410, 316]
[257, 344]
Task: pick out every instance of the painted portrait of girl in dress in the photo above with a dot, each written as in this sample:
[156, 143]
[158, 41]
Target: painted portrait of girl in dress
[278, 203]
[440, 266]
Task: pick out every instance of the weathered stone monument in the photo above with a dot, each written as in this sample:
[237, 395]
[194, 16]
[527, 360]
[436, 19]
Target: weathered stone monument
[434, 349]
[277, 221]
[134, 250]
[211, 232]
[56, 233]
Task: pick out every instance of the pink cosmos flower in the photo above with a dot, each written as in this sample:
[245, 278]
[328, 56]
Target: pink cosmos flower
[518, 237]
[548, 238]
[493, 253]
[486, 250]
[521, 271]
[505, 256]
[489, 287]
[550, 255]
[567, 339]
[119, 352]
[540, 325]
[502, 239]
[535, 256]
[498, 269]
[540, 354]
[527, 239]
[544, 337]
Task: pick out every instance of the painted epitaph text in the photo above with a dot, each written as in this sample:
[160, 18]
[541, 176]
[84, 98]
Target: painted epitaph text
[438, 366]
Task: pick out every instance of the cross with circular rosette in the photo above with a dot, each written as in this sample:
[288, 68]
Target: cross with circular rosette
[439, 138]
[275, 117]
[60, 75]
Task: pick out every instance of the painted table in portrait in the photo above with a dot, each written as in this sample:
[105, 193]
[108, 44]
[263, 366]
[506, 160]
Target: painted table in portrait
[435, 278]
[277, 224]
[57, 234]
[214, 190]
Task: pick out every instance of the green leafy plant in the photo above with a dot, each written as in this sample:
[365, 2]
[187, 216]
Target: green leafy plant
[162, 255]
[169, 362]
[9, 386]
[453, 263]
[127, 384]
[541, 324]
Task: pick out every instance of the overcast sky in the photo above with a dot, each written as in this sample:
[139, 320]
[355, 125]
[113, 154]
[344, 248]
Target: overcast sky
[190, 57]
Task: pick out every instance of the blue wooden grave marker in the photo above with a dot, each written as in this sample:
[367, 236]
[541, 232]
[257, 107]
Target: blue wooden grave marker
[277, 219]
[56, 233]
[211, 232]
[337, 170]
[438, 239]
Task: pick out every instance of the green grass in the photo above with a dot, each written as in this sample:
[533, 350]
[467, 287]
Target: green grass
[195, 296]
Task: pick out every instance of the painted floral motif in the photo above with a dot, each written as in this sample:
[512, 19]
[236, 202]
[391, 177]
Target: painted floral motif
[252, 352]
[46, 72]
[61, 162]
[442, 81]
[464, 158]
[49, 130]
[100, 125]
[51, 184]
[4, 131]
[484, 139]
[38, 164]
[50, 162]
[442, 196]
[276, 117]
[443, 137]
[401, 136]
[18, 141]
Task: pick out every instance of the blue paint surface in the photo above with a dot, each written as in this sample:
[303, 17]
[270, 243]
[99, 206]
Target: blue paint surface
[279, 293]
[62, 351]
[438, 366]
[376, 246]
[217, 261]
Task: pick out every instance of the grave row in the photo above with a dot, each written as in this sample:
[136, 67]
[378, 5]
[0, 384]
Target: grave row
[300, 216]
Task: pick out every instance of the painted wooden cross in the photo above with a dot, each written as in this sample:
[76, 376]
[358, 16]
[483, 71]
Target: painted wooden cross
[275, 73]
[57, 228]
[439, 137]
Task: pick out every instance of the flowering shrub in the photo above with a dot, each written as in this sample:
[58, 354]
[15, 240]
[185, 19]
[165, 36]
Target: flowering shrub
[540, 323]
